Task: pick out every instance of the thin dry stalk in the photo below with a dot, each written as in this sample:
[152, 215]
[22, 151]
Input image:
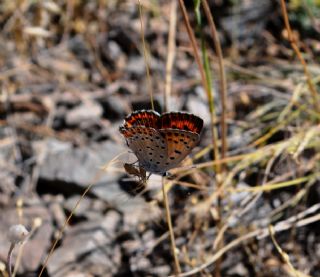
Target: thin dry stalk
[282, 253]
[61, 231]
[9, 258]
[223, 82]
[203, 79]
[296, 49]
[146, 57]
[68, 16]
[36, 224]
[171, 53]
[223, 96]
[168, 217]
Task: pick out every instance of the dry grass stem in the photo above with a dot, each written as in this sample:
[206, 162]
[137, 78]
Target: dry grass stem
[171, 53]
[195, 52]
[223, 79]
[283, 254]
[145, 55]
[296, 49]
[170, 228]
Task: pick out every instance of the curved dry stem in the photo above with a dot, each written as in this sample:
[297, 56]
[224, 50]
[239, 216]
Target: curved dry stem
[171, 53]
[9, 258]
[283, 254]
[63, 229]
[168, 217]
[223, 82]
[146, 57]
[296, 49]
[204, 81]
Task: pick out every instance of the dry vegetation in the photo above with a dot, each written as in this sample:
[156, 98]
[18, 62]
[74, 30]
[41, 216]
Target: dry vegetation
[247, 200]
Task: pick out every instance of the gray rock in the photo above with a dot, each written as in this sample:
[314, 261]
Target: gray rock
[199, 107]
[114, 107]
[70, 170]
[89, 208]
[87, 247]
[87, 111]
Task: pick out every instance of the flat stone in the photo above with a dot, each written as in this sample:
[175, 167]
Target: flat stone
[89, 248]
[199, 107]
[89, 208]
[79, 166]
[71, 170]
[87, 111]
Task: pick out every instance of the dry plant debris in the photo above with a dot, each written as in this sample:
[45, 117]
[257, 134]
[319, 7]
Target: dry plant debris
[70, 71]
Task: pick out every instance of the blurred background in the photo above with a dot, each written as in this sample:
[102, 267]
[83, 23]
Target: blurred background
[71, 70]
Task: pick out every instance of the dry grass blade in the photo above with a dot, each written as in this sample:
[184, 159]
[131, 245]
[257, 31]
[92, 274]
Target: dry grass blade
[296, 49]
[170, 228]
[171, 53]
[284, 255]
[145, 55]
[223, 81]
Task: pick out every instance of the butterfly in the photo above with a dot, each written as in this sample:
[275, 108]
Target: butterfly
[161, 142]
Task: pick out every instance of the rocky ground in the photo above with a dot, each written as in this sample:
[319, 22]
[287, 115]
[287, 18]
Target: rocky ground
[72, 70]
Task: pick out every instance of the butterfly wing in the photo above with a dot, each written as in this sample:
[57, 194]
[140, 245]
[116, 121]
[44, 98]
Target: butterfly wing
[161, 142]
[179, 145]
[146, 118]
[181, 121]
[149, 147]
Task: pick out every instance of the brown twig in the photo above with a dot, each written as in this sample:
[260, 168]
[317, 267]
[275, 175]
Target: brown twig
[283, 254]
[296, 49]
[171, 53]
[223, 96]
[146, 57]
[168, 217]
[223, 82]
[9, 257]
[203, 78]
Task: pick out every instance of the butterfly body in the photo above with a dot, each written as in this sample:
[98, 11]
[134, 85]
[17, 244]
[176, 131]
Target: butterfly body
[161, 142]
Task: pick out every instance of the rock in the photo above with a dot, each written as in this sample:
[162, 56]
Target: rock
[87, 247]
[199, 107]
[136, 66]
[140, 264]
[121, 87]
[69, 99]
[238, 270]
[161, 270]
[87, 111]
[143, 103]
[55, 205]
[114, 107]
[70, 170]
[242, 19]
[78, 274]
[61, 61]
[91, 209]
